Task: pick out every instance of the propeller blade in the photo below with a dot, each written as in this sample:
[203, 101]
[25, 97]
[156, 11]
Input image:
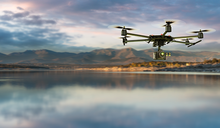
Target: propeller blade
[206, 30]
[124, 37]
[170, 22]
[194, 31]
[118, 27]
[129, 28]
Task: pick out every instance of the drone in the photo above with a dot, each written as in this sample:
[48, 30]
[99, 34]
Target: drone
[161, 40]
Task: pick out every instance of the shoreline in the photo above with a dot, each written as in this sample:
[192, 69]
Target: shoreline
[192, 68]
[217, 70]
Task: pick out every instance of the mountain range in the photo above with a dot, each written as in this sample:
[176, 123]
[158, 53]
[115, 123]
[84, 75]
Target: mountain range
[102, 56]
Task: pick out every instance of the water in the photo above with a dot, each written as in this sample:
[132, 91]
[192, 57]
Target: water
[81, 99]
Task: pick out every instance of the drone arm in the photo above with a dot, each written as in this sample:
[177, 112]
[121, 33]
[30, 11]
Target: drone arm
[188, 43]
[164, 33]
[185, 37]
[182, 42]
[137, 40]
[194, 43]
[132, 34]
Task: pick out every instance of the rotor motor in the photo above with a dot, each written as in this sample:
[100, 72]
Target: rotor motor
[123, 32]
[124, 40]
[200, 35]
[168, 28]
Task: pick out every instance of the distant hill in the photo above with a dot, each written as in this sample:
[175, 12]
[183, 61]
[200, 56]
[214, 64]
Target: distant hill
[101, 56]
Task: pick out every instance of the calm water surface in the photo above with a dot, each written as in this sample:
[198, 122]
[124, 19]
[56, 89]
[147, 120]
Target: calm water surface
[81, 99]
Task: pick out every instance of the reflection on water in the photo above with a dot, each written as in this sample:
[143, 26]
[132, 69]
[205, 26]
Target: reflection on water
[79, 99]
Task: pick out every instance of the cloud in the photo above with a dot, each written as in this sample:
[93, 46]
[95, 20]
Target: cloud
[39, 38]
[92, 5]
[130, 11]
[19, 8]
[20, 14]
[8, 12]
[36, 20]
[9, 15]
[96, 14]
[25, 18]
[34, 38]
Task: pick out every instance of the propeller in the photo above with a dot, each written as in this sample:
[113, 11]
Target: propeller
[206, 30]
[119, 27]
[168, 23]
[124, 37]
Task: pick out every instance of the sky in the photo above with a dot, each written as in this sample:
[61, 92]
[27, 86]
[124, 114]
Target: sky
[84, 25]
